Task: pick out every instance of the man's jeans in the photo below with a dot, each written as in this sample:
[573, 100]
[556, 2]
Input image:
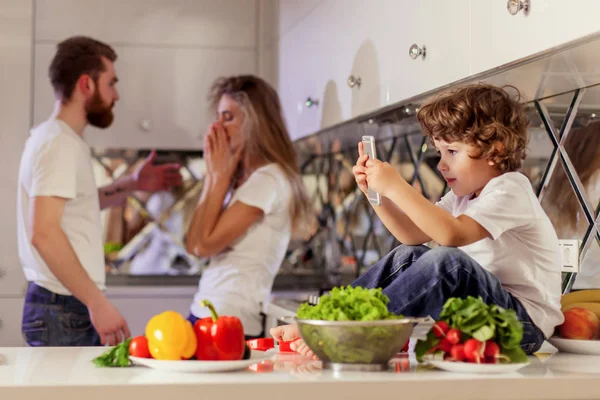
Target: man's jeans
[50, 319]
[419, 280]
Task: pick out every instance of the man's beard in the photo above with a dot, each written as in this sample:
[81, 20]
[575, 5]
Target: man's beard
[98, 114]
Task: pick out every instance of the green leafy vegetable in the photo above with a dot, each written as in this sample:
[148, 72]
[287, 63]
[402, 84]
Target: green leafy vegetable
[480, 321]
[117, 356]
[351, 344]
[112, 247]
[349, 304]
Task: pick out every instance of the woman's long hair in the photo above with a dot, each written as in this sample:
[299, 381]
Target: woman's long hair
[561, 204]
[266, 136]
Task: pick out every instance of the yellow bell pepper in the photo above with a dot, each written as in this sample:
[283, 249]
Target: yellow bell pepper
[170, 337]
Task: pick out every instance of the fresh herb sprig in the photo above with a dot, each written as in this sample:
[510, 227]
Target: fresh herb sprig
[117, 356]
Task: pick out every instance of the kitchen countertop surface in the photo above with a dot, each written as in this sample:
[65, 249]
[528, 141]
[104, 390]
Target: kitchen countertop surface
[65, 373]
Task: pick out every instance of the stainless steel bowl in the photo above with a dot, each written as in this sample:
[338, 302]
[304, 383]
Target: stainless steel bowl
[356, 345]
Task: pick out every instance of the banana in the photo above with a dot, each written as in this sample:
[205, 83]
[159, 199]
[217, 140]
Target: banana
[593, 307]
[581, 296]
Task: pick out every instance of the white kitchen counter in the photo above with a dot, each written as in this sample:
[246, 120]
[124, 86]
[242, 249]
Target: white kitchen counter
[67, 373]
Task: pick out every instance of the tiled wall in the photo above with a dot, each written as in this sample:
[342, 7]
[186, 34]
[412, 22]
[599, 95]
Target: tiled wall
[563, 165]
[349, 237]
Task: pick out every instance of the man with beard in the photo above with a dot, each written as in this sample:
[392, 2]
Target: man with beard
[59, 227]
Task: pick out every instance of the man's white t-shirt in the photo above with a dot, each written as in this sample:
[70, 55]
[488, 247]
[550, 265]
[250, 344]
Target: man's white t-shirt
[57, 162]
[523, 251]
[239, 280]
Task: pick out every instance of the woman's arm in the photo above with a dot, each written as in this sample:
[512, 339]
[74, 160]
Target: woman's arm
[214, 229]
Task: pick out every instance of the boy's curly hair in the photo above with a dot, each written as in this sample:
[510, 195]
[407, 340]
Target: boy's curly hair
[481, 115]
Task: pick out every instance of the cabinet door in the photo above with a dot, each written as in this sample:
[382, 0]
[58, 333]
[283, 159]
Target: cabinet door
[498, 37]
[163, 94]
[11, 312]
[137, 310]
[438, 28]
[15, 105]
[229, 23]
[298, 85]
[356, 53]
[12, 280]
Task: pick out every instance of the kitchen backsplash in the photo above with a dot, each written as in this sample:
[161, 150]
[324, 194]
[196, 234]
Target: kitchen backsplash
[348, 236]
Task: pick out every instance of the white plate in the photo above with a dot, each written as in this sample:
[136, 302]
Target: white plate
[585, 347]
[472, 368]
[202, 366]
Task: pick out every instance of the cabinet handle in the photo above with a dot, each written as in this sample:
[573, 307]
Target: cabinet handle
[2, 272]
[1, 323]
[514, 6]
[415, 52]
[354, 81]
[310, 102]
[146, 125]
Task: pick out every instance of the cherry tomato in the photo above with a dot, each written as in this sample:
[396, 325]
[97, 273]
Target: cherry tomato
[138, 347]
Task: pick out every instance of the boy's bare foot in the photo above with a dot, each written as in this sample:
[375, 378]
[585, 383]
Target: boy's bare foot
[290, 333]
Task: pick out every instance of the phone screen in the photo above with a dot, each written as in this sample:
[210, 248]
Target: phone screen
[371, 151]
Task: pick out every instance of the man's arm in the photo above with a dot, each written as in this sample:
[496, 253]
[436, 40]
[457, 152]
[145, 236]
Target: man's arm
[54, 247]
[115, 193]
[147, 177]
[434, 221]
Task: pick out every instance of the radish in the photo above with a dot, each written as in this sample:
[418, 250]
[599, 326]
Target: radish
[473, 350]
[457, 352]
[445, 345]
[453, 336]
[440, 328]
[491, 349]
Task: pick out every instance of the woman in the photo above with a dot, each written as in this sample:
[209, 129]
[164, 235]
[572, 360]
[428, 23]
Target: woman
[561, 203]
[253, 199]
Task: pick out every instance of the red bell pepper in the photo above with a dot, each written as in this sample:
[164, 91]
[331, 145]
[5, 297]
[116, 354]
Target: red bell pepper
[219, 338]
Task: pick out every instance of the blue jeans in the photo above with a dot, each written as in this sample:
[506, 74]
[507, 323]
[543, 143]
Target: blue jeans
[418, 280]
[50, 319]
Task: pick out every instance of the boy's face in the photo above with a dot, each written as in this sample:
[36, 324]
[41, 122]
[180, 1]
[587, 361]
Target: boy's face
[465, 175]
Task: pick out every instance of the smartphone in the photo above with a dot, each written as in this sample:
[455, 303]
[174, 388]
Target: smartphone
[369, 148]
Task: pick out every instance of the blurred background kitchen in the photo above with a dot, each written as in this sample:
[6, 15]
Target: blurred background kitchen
[343, 68]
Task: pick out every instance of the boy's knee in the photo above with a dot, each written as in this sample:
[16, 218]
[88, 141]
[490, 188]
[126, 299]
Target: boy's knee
[406, 250]
[442, 256]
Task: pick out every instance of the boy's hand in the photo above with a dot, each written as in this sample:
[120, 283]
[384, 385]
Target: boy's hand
[359, 170]
[381, 176]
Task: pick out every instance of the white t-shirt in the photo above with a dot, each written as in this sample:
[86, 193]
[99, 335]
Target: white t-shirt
[57, 162]
[239, 280]
[523, 251]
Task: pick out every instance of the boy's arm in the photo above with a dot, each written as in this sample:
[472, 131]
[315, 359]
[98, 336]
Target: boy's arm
[399, 224]
[433, 221]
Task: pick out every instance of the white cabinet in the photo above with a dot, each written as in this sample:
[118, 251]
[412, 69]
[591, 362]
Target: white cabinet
[353, 56]
[438, 28]
[163, 94]
[139, 304]
[12, 280]
[169, 53]
[16, 21]
[498, 37]
[229, 23]
[11, 312]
